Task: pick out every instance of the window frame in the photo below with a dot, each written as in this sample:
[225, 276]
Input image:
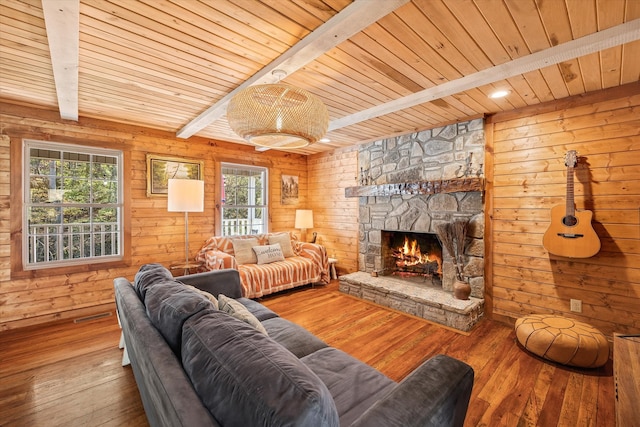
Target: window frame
[265, 195]
[119, 205]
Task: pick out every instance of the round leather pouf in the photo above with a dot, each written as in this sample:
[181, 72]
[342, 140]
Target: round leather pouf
[563, 340]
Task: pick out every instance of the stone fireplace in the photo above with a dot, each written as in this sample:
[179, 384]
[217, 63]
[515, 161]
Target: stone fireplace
[409, 184]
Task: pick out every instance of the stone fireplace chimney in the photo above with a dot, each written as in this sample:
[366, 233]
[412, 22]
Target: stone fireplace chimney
[413, 182]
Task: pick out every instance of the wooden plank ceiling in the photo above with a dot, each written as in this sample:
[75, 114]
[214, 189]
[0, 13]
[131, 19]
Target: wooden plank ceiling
[163, 63]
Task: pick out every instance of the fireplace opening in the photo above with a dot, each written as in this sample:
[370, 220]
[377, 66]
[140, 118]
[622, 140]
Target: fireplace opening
[412, 256]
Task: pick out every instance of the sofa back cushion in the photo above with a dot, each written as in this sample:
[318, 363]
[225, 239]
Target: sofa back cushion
[225, 243]
[243, 250]
[168, 302]
[246, 379]
[284, 239]
[148, 275]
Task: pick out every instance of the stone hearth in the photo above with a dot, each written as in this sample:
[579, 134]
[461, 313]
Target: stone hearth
[419, 300]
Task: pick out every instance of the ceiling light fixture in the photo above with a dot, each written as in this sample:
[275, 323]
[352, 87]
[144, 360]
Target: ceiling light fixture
[499, 94]
[278, 115]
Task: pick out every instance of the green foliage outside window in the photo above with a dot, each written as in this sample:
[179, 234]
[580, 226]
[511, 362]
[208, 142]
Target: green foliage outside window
[72, 204]
[243, 201]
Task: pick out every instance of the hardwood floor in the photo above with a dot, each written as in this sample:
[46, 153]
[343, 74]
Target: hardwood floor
[69, 374]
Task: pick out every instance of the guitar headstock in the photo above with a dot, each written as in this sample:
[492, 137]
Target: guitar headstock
[571, 158]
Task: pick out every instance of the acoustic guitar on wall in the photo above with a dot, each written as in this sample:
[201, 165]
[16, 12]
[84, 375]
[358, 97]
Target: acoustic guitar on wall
[570, 233]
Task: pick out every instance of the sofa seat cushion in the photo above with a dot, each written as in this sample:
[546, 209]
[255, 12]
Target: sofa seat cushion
[354, 385]
[563, 340]
[245, 378]
[261, 312]
[263, 279]
[293, 337]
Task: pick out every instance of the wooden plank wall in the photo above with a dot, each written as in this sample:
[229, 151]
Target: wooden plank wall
[528, 177]
[156, 235]
[335, 216]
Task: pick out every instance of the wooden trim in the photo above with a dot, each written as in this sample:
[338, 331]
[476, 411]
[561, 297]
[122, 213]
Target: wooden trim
[500, 317]
[419, 187]
[567, 103]
[16, 161]
[15, 225]
[488, 221]
[58, 317]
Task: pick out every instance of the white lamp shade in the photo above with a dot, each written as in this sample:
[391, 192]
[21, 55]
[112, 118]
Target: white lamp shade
[185, 195]
[304, 218]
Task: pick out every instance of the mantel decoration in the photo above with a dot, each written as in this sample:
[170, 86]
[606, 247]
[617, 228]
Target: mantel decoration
[278, 115]
[453, 236]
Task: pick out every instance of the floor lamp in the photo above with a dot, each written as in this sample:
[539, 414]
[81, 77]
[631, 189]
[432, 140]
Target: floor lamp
[185, 195]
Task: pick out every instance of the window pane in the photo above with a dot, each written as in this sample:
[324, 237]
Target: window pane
[40, 189]
[106, 215]
[105, 168]
[104, 192]
[76, 190]
[42, 215]
[76, 215]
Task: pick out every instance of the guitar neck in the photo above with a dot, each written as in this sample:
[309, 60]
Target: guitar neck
[571, 206]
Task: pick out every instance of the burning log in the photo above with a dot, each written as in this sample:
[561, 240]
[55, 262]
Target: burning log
[427, 268]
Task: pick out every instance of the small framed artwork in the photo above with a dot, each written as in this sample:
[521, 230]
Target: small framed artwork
[289, 188]
[160, 169]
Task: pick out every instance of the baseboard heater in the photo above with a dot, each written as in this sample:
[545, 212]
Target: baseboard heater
[92, 317]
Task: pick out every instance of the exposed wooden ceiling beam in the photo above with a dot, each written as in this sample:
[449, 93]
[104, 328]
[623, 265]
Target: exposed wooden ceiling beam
[611, 37]
[62, 21]
[349, 21]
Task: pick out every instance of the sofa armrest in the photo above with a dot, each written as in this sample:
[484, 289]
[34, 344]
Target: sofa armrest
[437, 393]
[212, 259]
[308, 248]
[318, 254]
[216, 282]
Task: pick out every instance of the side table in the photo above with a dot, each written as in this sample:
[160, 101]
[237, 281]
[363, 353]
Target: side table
[186, 267]
[332, 268]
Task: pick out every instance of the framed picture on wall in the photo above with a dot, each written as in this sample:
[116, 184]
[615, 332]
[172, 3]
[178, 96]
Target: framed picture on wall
[160, 169]
[289, 189]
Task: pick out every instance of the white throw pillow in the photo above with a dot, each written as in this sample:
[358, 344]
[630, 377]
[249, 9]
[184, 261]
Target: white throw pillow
[269, 253]
[240, 312]
[242, 250]
[284, 239]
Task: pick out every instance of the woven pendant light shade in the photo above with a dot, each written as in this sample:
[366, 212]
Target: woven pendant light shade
[278, 116]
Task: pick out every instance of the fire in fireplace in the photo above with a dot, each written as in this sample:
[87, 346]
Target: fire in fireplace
[411, 255]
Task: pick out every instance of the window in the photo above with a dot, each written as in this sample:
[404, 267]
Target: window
[72, 205]
[244, 199]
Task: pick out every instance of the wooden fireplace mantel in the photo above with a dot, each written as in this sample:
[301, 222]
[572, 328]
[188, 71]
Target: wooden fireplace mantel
[421, 187]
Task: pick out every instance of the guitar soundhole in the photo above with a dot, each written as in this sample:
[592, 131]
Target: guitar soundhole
[569, 220]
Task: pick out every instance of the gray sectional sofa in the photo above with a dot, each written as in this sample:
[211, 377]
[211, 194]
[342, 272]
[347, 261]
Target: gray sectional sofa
[198, 365]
